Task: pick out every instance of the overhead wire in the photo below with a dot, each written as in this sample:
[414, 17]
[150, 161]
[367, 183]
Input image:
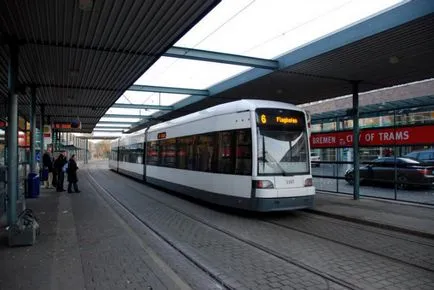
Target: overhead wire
[206, 37]
[244, 8]
[334, 9]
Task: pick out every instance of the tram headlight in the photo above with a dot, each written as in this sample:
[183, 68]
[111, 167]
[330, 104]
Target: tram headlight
[264, 184]
[308, 182]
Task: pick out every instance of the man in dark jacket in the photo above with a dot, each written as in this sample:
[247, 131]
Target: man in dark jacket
[72, 175]
[48, 167]
[58, 165]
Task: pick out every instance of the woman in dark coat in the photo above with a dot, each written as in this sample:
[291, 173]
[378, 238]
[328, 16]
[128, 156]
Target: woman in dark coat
[58, 165]
[72, 175]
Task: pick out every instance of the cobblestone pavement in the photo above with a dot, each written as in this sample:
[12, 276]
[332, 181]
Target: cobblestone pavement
[86, 244]
[30, 267]
[239, 265]
[412, 250]
[356, 266]
[113, 254]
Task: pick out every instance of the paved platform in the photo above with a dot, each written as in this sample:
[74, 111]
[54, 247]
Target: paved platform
[88, 242]
[405, 217]
[84, 245]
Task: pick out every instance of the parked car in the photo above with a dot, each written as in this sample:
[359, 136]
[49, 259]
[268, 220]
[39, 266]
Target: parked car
[410, 172]
[315, 159]
[425, 156]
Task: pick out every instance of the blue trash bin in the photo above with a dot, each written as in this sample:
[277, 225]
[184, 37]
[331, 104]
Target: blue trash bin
[33, 185]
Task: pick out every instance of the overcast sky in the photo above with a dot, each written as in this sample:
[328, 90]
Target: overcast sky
[258, 28]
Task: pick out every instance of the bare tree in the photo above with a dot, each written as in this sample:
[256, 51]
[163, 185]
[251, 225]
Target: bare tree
[101, 149]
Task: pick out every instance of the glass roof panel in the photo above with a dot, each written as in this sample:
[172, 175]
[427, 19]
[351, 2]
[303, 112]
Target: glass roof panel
[184, 73]
[148, 98]
[257, 28]
[111, 125]
[106, 134]
[132, 120]
[107, 129]
[134, 112]
[266, 29]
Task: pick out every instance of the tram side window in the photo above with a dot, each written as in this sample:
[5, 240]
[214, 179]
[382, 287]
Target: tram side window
[122, 154]
[204, 152]
[114, 154]
[126, 154]
[138, 156]
[136, 153]
[228, 152]
[168, 153]
[182, 152]
[152, 152]
[129, 154]
[243, 163]
[225, 153]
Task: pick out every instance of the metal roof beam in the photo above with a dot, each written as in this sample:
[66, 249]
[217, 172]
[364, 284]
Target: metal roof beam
[169, 90]
[108, 130]
[136, 88]
[213, 56]
[178, 52]
[99, 137]
[125, 116]
[112, 127]
[142, 107]
[115, 122]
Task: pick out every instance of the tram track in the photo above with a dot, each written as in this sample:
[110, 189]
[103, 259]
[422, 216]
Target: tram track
[334, 240]
[406, 237]
[152, 229]
[327, 277]
[421, 242]
[339, 280]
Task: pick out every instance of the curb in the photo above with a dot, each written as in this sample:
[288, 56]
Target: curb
[373, 224]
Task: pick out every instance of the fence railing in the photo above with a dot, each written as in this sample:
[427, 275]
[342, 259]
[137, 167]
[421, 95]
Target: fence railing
[410, 184]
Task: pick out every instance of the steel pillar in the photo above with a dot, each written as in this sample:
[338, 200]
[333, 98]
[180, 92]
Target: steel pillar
[12, 185]
[85, 151]
[53, 141]
[338, 155]
[356, 133]
[33, 130]
[41, 150]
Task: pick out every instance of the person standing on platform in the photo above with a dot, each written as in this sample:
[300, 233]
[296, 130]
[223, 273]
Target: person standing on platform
[47, 170]
[59, 165]
[72, 175]
[54, 182]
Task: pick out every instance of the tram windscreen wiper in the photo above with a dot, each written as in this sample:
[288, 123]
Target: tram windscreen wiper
[274, 162]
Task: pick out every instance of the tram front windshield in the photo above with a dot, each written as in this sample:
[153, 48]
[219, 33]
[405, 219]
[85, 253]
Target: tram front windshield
[282, 150]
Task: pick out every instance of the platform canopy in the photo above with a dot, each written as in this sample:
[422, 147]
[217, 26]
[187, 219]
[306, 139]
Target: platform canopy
[389, 48]
[81, 55]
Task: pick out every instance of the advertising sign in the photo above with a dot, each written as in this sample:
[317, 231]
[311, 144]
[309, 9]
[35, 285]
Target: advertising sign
[375, 137]
[47, 131]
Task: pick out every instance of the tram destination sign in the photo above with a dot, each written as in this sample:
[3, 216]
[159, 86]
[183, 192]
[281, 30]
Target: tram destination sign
[375, 137]
[281, 118]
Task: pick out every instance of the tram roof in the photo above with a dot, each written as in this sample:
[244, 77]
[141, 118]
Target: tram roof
[226, 108]
[82, 55]
[391, 48]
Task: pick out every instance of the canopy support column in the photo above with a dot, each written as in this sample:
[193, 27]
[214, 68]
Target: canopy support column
[356, 133]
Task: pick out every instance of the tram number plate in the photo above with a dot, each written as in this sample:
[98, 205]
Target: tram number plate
[290, 181]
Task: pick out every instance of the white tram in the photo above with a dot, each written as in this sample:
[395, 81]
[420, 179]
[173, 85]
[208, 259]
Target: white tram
[249, 154]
